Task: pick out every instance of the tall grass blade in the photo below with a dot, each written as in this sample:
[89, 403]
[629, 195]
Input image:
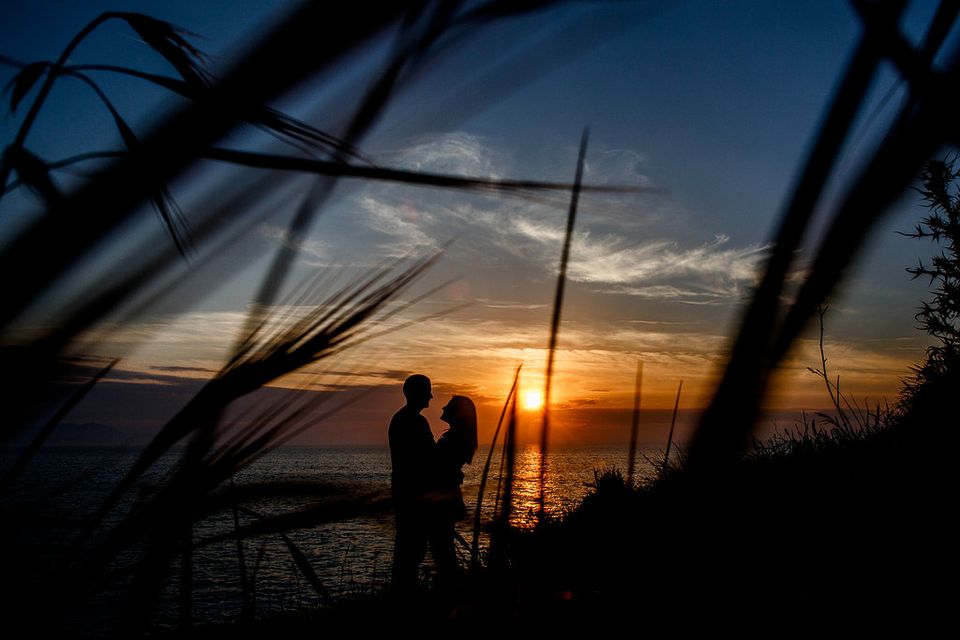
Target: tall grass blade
[822, 372]
[353, 506]
[306, 569]
[296, 554]
[295, 132]
[673, 423]
[21, 83]
[499, 540]
[555, 320]
[506, 504]
[635, 424]
[66, 162]
[475, 546]
[34, 173]
[500, 472]
[339, 169]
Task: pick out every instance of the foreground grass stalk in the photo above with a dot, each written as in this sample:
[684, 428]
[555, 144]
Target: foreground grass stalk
[555, 321]
[673, 423]
[833, 389]
[475, 546]
[499, 542]
[635, 424]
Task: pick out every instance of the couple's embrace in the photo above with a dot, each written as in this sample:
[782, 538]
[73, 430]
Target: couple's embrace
[426, 482]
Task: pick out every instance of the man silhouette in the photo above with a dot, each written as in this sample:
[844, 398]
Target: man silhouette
[411, 454]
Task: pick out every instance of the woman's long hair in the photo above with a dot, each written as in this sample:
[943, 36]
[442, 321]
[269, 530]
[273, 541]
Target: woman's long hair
[464, 420]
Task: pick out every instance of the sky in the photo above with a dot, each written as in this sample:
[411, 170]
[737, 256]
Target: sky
[706, 108]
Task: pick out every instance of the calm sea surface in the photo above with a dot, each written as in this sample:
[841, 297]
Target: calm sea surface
[65, 484]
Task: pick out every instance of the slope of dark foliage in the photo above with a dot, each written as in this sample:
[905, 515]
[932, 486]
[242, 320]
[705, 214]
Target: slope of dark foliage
[849, 530]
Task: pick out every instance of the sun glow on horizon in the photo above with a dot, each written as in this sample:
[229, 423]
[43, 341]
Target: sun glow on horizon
[532, 399]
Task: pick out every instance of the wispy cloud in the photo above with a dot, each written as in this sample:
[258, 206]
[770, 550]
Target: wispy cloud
[312, 250]
[504, 304]
[405, 223]
[668, 292]
[579, 402]
[616, 167]
[609, 262]
[655, 269]
[525, 236]
[454, 153]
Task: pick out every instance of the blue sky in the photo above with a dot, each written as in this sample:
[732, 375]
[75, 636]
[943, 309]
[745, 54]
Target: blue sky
[712, 103]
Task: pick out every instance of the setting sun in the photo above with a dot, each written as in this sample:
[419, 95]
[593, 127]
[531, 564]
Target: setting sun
[532, 399]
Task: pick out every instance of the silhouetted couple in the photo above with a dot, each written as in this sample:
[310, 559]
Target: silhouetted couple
[426, 483]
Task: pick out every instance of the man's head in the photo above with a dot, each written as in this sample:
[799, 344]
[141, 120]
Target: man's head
[417, 391]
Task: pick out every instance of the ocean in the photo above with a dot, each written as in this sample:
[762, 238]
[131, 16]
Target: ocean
[63, 485]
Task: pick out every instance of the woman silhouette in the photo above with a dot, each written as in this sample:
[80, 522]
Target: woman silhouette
[454, 448]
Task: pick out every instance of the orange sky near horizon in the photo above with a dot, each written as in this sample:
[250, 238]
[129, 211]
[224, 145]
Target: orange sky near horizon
[595, 370]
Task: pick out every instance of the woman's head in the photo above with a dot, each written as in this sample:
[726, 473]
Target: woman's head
[461, 414]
